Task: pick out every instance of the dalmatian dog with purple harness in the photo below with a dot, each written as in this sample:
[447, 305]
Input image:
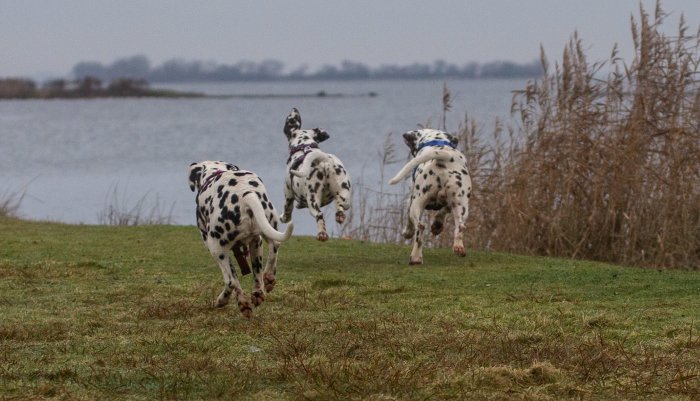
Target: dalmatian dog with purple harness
[314, 178]
[440, 182]
[235, 214]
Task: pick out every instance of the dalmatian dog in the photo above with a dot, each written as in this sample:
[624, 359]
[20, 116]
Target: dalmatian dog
[235, 214]
[441, 182]
[314, 178]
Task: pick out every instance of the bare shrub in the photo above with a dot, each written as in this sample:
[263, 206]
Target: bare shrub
[377, 213]
[118, 211]
[10, 202]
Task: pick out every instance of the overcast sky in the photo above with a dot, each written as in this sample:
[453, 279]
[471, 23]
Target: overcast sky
[48, 37]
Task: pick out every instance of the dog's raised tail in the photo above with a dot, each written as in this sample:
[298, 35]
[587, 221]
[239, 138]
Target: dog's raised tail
[422, 157]
[255, 205]
[305, 168]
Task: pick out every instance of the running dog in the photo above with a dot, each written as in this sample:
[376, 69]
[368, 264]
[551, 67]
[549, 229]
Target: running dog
[314, 178]
[441, 182]
[234, 214]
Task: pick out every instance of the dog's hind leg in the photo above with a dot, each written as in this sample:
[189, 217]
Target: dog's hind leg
[414, 214]
[269, 275]
[231, 283]
[258, 295]
[343, 197]
[460, 212]
[288, 203]
[313, 200]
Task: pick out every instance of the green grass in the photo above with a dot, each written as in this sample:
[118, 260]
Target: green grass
[97, 312]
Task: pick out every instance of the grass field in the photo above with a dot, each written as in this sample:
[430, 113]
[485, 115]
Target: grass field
[97, 312]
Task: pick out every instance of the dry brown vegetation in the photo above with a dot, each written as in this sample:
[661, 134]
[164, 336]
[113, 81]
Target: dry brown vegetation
[602, 160]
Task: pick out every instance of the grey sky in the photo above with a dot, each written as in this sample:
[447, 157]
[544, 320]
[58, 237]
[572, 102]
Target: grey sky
[40, 37]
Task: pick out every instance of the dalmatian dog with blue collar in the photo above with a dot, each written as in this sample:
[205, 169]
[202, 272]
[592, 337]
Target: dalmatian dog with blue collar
[235, 214]
[314, 178]
[441, 182]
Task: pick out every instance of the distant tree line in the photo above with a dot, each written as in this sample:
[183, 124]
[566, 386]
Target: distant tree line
[178, 70]
[85, 87]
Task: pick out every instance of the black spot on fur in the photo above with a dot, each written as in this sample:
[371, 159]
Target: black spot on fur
[222, 201]
[253, 183]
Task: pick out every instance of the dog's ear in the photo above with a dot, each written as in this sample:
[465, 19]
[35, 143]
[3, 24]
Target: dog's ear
[411, 140]
[292, 123]
[453, 139]
[195, 175]
[320, 135]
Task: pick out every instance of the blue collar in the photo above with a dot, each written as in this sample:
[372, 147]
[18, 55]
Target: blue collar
[436, 142]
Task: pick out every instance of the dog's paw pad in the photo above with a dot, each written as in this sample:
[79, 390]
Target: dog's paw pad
[220, 303]
[322, 236]
[270, 281]
[246, 309]
[459, 251]
[257, 298]
[340, 217]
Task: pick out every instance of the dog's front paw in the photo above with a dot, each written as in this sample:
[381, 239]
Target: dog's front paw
[257, 297]
[221, 302]
[322, 236]
[459, 250]
[270, 281]
[246, 309]
[285, 219]
[340, 217]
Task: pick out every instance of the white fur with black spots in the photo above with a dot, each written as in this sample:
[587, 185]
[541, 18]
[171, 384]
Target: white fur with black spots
[235, 214]
[440, 182]
[314, 178]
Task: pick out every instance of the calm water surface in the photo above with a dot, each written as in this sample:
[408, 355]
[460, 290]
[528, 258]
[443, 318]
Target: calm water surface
[68, 156]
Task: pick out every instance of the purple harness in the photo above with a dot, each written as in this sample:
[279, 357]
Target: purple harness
[209, 180]
[303, 147]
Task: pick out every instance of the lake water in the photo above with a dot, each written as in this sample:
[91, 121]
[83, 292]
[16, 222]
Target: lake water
[70, 157]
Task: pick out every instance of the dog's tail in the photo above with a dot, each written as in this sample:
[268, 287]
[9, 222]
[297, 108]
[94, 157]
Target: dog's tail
[424, 156]
[305, 168]
[254, 204]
